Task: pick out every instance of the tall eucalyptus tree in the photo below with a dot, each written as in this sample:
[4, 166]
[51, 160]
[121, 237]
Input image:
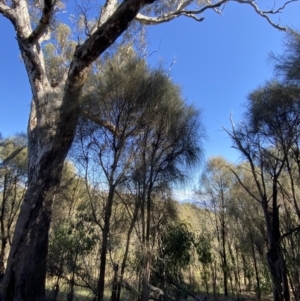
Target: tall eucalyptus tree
[169, 144]
[117, 106]
[269, 141]
[142, 134]
[217, 181]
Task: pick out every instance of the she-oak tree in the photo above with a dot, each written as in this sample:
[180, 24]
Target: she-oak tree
[55, 110]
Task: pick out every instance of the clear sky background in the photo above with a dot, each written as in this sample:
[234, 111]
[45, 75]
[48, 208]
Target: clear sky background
[218, 62]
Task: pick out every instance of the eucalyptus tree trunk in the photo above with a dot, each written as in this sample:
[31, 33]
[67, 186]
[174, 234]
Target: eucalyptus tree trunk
[125, 256]
[104, 244]
[4, 234]
[224, 256]
[258, 286]
[51, 129]
[275, 258]
[146, 244]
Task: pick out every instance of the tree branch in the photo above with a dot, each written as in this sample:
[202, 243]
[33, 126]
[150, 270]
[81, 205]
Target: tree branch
[44, 22]
[247, 153]
[6, 11]
[243, 185]
[264, 14]
[103, 37]
[86, 54]
[11, 156]
[99, 121]
[180, 11]
[280, 9]
[291, 231]
[194, 14]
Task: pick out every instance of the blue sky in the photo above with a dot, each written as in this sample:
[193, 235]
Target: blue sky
[218, 62]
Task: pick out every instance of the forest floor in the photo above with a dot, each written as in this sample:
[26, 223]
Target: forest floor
[83, 295]
[245, 296]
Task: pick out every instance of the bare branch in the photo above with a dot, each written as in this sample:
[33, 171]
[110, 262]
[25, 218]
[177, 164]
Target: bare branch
[247, 153]
[11, 156]
[196, 14]
[280, 9]
[243, 185]
[83, 12]
[180, 11]
[207, 7]
[154, 20]
[6, 11]
[99, 121]
[44, 22]
[264, 14]
[289, 232]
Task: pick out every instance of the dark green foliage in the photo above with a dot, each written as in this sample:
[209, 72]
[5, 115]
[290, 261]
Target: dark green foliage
[287, 65]
[177, 245]
[269, 140]
[70, 240]
[13, 182]
[13, 153]
[203, 248]
[175, 249]
[273, 110]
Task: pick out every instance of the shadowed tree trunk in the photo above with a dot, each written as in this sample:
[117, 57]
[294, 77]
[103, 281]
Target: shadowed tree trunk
[125, 256]
[268, 164]
[105, 233]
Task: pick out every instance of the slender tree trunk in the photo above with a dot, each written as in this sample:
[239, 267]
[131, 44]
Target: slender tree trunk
[146, 276]
[105, 234]
[275, 259]
[291, 252]
[146, 251]
[3, 234]
[258, 288]
[214, 278]
[132, 223]
[238, 270]
[70, 296]
[55, 290]
[2, 256]
[205, 271]
[236, 287]
[244, 269]
[115, 283]
[224, 259]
